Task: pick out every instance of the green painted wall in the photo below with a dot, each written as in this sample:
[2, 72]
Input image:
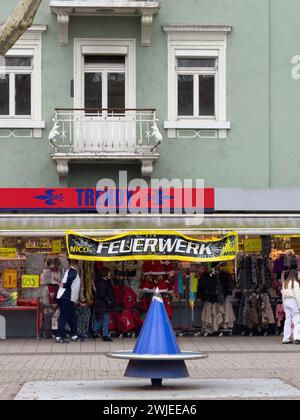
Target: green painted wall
[263, 100]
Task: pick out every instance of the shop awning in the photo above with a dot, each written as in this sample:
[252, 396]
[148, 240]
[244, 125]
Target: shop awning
[109, 225]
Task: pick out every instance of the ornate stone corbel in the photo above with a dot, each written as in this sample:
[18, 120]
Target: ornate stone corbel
[147, 168]
[63, 23]
[62, 166]
[147, 21]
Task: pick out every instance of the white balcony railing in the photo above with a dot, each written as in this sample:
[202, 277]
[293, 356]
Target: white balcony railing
[131, 132]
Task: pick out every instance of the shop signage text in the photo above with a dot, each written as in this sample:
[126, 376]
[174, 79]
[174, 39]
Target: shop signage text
[117, 200]
[252, 245]
[30, 281]
[56, 246]
[10, 279]
[8, 253]
[154, 245]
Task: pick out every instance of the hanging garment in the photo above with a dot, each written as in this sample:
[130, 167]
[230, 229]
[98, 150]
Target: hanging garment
[126, 321]
[83, 321]
[180, 283]
[168, 306]
[252, 318]
[113, 321]
[138, 322]
[230, 318]
[280, 314]
[130, 298]
[119, 294]
[267, 309]
[52, 290]
[145, 303]
[176, 285]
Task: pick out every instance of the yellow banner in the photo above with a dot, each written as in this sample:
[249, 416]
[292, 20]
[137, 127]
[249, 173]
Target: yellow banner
[10, 279]
[30, 281]
[152, 245]
[8, 252]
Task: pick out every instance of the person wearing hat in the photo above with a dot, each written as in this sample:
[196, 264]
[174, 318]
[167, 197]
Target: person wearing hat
[67, 297]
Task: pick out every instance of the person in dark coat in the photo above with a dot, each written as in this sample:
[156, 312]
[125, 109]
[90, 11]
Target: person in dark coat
[104, 302]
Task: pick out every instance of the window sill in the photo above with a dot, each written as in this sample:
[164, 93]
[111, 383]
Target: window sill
[21, 123]
[220, 126]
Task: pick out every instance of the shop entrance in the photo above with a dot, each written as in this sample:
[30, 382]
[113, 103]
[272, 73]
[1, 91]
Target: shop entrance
[220, 298]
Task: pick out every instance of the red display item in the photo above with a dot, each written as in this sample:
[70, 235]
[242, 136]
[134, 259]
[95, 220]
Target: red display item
[147, 267]
[113, 321]
[126, 321]
[119, 294]
[130, 298]
[153, 267]
[138, 322]
[158, 268]
[168, 306]
[169, 284]
[99, 266]
[168, 267]
[145, 303]
[149, 284]
[162, 286]
[52, 290]
[143, 281]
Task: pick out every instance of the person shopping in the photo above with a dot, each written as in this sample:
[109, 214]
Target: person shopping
[291, 302]
[67, 297]
[104, 302]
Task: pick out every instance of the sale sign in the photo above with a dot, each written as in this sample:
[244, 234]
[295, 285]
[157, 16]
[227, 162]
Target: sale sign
[10, 279]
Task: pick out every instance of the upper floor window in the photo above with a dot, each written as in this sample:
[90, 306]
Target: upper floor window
[197, 80]
[21, 84]
[104, 82]
[196, 87]
[104, 73]
[15, 87]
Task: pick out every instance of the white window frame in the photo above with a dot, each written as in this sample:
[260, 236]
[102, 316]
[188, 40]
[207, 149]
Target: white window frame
[101, 46]
[105, 69]
[12, 72]
[197, 42]
[196, 72]
[30, 44]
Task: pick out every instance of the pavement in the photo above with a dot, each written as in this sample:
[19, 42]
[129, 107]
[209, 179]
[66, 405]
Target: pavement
[24, 361]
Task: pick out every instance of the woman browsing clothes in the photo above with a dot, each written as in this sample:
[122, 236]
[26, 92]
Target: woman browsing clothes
[291, 302]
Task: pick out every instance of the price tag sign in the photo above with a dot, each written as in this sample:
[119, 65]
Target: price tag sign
[10, 279]
[8, 252]
[56, 247]
[30, 281]
[252, 245]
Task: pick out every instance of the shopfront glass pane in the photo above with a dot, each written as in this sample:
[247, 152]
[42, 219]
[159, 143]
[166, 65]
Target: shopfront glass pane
[93, 90]
[185, 95]
[4, 94]
[116, 90]
[23, 94]
[207, 95]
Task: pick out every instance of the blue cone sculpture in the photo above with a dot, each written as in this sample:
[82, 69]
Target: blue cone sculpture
[157, 338]
[156, 354]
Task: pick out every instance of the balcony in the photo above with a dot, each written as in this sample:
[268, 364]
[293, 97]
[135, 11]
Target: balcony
[98, 135]
[146, 10]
